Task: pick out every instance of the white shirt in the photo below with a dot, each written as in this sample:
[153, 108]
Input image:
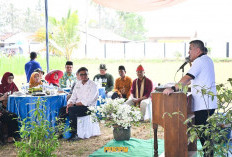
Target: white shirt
[203, 71]
[87, 94]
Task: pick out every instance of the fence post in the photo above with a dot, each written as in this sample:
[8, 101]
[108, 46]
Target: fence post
[124, 48]
[164, 50]
[85, 50]
[105, 50]
[144, 50]
[185, 49]
[227, 49]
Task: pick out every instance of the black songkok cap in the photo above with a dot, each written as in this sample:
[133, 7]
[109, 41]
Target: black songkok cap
[69, 63]
[121, 67]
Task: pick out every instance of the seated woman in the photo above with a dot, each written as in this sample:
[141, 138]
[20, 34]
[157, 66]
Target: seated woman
[7, 87]
[41, 74]
[35, 80]
[53, 77]
[8, 120]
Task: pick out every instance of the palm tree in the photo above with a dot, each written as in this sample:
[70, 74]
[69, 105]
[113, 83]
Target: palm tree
[64, 37]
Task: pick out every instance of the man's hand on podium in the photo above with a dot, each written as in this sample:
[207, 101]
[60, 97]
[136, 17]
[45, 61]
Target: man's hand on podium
[168, 91]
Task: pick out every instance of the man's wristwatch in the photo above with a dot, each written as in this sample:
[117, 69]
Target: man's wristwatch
[173, 88]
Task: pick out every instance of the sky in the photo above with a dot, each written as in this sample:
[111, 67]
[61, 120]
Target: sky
[208, 17]
[211, 19]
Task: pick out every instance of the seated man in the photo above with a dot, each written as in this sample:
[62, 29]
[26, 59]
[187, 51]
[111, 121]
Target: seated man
[122, 84]
[140, 91]
[68, 78]
[106, 79]
[85, 94]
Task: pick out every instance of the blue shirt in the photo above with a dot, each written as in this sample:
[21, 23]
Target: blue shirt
[30, 67]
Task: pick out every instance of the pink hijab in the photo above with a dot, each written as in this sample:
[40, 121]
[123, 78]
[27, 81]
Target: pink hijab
[7, 87]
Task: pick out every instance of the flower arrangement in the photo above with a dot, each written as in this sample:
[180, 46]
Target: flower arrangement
[116, 113]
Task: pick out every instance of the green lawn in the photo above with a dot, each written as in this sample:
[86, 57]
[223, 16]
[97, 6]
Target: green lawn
[159, 71]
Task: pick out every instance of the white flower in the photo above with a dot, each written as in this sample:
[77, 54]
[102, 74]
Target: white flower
[116, 112]
[103, 121]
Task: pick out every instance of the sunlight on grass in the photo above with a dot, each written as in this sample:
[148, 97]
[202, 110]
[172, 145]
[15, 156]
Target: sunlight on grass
[158, 70]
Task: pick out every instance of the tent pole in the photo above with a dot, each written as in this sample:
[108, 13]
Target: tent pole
[47, 47]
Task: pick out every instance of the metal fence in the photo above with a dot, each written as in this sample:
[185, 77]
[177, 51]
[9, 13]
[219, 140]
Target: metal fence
[147, 50]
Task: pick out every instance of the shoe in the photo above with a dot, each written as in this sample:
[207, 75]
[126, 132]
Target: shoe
[60, 137]
[74, 138]
[17, 138]
[10, 140]
[2, 143]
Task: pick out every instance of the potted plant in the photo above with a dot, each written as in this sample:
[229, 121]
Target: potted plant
[118, 115]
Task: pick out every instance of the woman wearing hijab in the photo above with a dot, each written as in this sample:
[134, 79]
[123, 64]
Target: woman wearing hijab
[53, 77]
[7, 87]
[41, 73]
[7, 83]
[35, 80]
[7, 119]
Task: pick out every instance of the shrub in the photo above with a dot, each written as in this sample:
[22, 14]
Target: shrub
[38, 137]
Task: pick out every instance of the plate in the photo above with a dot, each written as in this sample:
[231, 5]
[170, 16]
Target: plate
[38, 94]
[18, 93]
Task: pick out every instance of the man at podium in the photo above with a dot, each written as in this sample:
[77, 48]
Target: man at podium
[201, 74]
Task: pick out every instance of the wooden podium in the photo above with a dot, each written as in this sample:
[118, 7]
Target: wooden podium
[175, 131]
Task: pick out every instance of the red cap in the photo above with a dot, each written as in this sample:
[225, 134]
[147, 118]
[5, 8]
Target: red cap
[140, 68]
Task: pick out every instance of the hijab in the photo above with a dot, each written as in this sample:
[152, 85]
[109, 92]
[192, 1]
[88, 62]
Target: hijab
[7, 87]
[32, 82]
[51, 79]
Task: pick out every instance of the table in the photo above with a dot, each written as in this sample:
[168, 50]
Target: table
[66, 89]
[23, 106]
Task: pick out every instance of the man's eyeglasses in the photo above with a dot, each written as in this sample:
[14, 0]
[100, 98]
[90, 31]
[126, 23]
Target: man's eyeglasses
[83, 74]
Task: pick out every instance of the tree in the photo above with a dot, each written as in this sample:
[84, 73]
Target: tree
[131, 26]
[126, 24]
[63, 34]
[14, 20]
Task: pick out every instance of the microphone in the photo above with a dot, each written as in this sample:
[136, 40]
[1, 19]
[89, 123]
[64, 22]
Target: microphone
[187, 60]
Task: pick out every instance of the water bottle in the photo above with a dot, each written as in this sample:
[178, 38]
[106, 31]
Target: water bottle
[27, 87]
[100, 82]
[51, 89]
[23, 88]
[67, 83]
[71, 83]
[95, 80]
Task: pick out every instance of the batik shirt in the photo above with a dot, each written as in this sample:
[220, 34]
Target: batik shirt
[70, 79]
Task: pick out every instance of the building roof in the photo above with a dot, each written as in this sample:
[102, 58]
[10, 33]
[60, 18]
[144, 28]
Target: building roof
[5, 36]
[172, 34]
[105, 35]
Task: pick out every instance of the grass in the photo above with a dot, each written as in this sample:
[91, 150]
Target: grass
[86, 147]
[159, 71]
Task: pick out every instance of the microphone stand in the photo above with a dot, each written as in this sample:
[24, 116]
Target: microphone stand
[182, 71]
